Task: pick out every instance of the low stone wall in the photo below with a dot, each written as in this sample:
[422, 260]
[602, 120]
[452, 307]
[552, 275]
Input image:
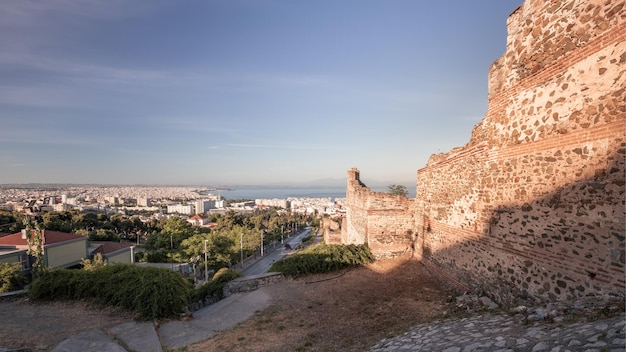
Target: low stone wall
[251, 283]
[12, 296]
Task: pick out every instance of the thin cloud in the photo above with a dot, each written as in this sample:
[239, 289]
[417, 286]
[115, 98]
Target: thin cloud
[73, 69]
[184, 123]
[42, 95]
[42, 13]
[278, 146]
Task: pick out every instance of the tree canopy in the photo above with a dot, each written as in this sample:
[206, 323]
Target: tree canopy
[397, 190]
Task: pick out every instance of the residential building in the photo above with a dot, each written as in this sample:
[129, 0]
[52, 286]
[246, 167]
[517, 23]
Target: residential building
[113, 252]
[184, 209]
[61, 250]
[198, 220]
[204, 205]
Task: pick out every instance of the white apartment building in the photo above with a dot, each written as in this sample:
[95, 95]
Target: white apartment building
[143, 202]
[279, 203]
[204, 205]
[185, 209]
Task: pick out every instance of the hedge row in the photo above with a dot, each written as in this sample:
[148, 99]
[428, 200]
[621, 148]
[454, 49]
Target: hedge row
[323, 259]
[153, 293]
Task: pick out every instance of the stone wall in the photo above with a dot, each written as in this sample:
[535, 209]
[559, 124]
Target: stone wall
[533, 205]
[332, 230]
[383, 221]
[251, 283]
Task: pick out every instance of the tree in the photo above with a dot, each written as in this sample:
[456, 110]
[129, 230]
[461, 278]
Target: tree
[103, 235]
[397, 190]
[34, 239]
[93, 264]
[221, 249]
[173, 231]
[11, 278]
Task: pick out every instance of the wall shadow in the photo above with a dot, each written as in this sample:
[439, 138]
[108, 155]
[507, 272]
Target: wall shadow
[565, 244]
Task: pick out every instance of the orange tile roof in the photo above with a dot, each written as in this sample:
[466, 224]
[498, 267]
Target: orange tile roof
[49, 237]
[110, 247]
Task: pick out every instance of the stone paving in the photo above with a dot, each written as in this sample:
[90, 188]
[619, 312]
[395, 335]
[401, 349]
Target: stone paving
[504, 332]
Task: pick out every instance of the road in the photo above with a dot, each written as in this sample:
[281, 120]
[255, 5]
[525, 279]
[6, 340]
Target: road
[263, 264]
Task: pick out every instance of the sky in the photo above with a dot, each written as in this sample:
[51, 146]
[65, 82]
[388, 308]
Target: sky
[240, 92]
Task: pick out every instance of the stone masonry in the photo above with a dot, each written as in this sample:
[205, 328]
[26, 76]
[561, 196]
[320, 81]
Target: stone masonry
[383, 221]
[533, 205]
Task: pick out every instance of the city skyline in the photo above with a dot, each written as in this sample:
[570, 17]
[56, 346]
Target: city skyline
[239, 92]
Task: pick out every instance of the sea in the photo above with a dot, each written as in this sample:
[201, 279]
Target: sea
[281, 192]
[258, 192]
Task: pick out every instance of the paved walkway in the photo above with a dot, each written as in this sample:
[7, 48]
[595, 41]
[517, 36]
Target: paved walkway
[530, 329]
[554, 328]
[503, 333]
[487, 332]
[143, 337]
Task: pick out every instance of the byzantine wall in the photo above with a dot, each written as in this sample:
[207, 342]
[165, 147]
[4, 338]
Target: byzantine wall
[383, 221]
[533, 205]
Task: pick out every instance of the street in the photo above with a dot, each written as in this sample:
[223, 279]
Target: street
[262, 265]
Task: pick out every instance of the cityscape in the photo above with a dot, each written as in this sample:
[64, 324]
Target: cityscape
[297, 176]
[158, 201]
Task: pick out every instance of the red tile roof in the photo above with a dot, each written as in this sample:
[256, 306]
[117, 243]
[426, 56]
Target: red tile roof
[110, 247]
[49, 237]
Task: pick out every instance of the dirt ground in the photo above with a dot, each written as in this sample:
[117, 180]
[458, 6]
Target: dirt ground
[347, 311]
[40, 327]
[344, 311]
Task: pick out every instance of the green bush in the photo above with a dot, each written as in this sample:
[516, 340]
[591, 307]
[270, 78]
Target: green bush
[212, 291]
[11, 278]
[151, 292]
[322, 259]
[159, 256]
[141, 257]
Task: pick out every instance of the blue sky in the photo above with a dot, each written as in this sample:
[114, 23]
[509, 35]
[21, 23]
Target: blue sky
[225, 92]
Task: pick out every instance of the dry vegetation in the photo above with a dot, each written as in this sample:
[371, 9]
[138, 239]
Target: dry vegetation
[40, 327]
[349, 310]
[346, 311]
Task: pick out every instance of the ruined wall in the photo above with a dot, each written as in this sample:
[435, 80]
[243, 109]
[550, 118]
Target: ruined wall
[332, 230]
[383, 221]
[533, 206]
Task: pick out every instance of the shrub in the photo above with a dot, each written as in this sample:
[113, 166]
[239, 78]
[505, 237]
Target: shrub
[151, 292]
[322, 259]
[11, 278]
[212, 291]
[96, 262]
[159, 256]
[141, 257]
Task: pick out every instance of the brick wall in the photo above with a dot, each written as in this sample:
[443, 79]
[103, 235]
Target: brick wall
[383, 221]
[533, 205]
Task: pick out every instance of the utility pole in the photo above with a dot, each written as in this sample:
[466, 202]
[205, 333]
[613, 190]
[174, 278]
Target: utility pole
[206, 271]
[261, 243]
[241, 250]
